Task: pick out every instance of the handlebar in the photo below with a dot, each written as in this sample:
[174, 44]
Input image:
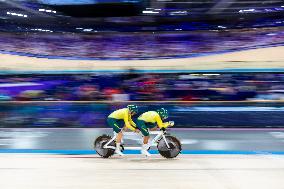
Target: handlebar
[163, 129]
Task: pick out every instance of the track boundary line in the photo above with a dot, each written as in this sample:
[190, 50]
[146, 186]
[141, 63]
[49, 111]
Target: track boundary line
[185, 152]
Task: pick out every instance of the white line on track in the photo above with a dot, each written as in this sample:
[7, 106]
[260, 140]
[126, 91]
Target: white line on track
[278, 135]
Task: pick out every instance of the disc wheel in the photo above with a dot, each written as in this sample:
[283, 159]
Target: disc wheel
[100, 142]
[174, 144]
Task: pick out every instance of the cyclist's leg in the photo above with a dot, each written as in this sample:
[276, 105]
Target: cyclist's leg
[145, 131]
[114, 124]
[152, 126]
[117, 126]
[141, 125]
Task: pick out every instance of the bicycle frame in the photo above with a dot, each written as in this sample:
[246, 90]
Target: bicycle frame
[153, 142]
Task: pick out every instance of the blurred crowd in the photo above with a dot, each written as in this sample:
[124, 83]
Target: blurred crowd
[143, 87]
[139, 45]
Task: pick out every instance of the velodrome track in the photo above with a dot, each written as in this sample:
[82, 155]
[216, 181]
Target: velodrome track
[190, 172]
[263, 59]
[213, 159]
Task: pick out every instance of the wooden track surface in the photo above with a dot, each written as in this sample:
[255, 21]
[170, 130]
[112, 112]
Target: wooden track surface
[134, 171]
[265, 58]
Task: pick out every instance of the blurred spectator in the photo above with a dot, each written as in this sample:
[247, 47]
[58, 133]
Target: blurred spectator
[144, 87]
[109, 92]
[88, 92]
[139, 45]
[4, 96]
[30, 95]
[121, 97]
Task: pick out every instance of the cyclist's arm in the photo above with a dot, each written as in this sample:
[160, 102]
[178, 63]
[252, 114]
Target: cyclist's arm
[160, 122]
[132, 122]
[126, 121]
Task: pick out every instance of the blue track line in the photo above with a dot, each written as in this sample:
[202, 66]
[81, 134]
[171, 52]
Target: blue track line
[187, 152]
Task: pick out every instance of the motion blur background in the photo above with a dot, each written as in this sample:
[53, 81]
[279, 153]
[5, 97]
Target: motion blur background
[216, 65]
[70, 63]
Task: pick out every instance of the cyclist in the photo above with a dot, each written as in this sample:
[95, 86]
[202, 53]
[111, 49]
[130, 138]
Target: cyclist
[150, 121]
[122, 120]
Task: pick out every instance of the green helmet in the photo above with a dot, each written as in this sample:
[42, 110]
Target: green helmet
[163, 113]
[133, 108]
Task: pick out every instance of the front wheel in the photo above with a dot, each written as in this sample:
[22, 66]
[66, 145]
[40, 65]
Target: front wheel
[99, 146]
[174, 144]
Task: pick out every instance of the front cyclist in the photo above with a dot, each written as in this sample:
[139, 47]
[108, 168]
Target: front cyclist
[149, 121]
[121, 119]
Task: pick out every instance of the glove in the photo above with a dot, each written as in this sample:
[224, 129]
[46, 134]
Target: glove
[171, 123]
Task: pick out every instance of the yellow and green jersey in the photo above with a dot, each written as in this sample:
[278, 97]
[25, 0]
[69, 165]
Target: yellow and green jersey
[124, 114]
[153, 117]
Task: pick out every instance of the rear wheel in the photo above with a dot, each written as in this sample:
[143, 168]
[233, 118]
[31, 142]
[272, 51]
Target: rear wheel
[174, 144]
[99, 144]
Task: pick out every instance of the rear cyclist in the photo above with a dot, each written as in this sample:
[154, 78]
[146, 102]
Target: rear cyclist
[149, 121]
[121, 120]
